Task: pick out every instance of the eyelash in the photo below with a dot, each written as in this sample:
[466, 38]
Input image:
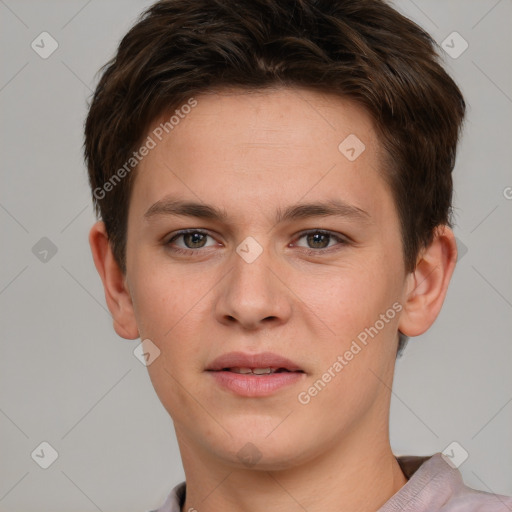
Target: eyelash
[310, 252]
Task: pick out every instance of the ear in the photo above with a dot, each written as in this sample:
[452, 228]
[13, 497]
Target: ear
[428, 283]
[117, 295]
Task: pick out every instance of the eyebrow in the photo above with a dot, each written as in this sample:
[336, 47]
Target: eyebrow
[333, 207]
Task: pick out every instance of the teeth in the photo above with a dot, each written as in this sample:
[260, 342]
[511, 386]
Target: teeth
[255, 371]
[261, 371]
[241, 370]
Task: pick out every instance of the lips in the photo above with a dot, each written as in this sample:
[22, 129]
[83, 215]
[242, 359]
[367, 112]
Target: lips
[263, 363]
[254, 375]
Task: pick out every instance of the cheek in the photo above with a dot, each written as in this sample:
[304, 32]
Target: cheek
[162, 296]
[352, 370]
[168, 311]
[360, 307]
[349, 298]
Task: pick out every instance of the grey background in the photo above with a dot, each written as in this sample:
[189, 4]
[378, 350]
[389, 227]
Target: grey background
[65, 376]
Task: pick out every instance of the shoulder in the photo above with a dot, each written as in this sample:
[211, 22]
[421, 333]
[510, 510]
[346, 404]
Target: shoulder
[472, 500]
[435, 485]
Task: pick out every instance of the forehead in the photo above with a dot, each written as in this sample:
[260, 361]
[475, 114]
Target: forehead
[277, 145]
[268, 117]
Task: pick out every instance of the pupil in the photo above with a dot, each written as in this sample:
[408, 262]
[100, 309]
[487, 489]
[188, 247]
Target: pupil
[314, 239]
[193, 239]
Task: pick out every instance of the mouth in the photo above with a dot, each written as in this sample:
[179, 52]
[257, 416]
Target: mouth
[257, 364]
[254, 375]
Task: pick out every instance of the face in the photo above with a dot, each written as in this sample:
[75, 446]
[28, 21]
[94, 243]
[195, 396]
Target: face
[290, 258]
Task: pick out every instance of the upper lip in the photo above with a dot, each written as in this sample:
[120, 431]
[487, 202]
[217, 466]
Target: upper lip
[261, 360]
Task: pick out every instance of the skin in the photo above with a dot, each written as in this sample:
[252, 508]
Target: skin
[250, 155]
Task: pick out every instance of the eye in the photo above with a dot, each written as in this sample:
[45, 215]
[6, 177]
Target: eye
[317, 240]
[192, 239]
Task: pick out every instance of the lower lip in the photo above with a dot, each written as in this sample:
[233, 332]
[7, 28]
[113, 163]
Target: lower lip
[256, 385]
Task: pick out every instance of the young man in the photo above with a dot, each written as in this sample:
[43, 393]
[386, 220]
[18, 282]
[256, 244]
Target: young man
[274, 183]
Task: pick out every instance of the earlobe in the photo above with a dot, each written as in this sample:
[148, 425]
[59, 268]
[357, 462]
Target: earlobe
[428, 283]
[117, 295]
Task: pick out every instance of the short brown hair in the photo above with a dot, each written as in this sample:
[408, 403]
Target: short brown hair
[362, 50]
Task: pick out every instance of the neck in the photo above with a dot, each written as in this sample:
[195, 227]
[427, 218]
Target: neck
[350, 477]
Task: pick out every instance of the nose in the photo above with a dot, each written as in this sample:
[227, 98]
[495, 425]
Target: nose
[254, 295]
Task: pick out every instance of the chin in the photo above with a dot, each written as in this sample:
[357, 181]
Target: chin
[255, 451]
